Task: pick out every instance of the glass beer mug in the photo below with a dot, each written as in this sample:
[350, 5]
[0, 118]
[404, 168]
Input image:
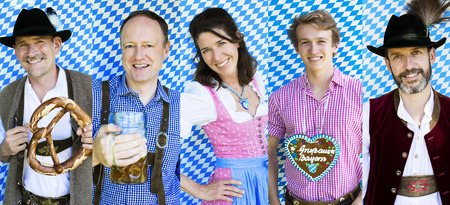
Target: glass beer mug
[136, 173]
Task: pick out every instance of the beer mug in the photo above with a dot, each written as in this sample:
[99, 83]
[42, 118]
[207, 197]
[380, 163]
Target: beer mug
[136, 173]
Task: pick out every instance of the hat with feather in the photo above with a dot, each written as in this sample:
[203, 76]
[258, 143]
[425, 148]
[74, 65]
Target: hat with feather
[413, 28]
[35, 22]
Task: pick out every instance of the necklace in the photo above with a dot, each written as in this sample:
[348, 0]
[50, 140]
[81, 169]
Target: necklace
[243, 101]
[319, 129]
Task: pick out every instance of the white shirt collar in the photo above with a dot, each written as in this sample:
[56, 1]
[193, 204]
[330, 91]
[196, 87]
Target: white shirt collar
[60, 87]
[428, 110]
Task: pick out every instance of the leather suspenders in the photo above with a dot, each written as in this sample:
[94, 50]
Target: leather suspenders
[157, 186]
[155, 159]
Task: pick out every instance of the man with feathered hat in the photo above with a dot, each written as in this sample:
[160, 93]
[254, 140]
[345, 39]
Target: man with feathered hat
[36, 43]
[405, 132]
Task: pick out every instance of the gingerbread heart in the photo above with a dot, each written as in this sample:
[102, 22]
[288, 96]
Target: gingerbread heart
[313, 157]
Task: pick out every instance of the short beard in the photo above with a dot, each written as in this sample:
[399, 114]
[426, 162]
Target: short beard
[413, 89]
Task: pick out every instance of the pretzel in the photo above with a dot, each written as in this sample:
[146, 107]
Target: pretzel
[78, 115]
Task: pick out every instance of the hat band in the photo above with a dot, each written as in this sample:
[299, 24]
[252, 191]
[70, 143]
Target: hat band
[407, 37]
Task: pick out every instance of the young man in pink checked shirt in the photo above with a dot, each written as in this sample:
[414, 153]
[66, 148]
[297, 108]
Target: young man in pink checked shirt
[319, 113]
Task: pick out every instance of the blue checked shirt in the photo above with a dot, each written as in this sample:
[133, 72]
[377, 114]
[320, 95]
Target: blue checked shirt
[123, 99]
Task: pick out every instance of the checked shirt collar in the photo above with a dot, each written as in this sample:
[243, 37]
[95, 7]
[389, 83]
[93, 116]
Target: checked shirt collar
[124, 90]
[337, 79]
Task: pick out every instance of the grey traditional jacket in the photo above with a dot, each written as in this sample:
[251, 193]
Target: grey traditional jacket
[80, 178]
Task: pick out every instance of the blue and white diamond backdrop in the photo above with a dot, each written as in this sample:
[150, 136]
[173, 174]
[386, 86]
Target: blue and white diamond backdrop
[94, 49]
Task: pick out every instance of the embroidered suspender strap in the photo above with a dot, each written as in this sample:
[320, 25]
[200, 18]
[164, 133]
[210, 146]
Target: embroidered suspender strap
[415, 186]
[157, 185]
[99, 170]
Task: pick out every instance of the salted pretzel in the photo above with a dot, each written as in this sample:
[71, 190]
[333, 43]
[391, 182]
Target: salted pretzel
[78, 115]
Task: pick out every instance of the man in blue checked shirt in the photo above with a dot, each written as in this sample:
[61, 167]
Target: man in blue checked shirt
[145, 46]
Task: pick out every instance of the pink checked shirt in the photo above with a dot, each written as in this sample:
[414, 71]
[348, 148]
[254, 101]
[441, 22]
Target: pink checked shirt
[342, 121]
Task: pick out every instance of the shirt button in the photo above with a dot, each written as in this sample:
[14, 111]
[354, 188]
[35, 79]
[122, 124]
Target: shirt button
[404, 154]
[394, 190]
[318, 128]
[416, 156]
[264, 152]
[318, 108]
[409, 135]
[259, 131]
[259, 125]
[259, 118]
[320, 182]
[398, 173]
[260, 141]
[259, 136]
[262, 147]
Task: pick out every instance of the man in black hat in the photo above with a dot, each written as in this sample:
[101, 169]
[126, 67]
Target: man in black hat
[405, 132]
[36, 43]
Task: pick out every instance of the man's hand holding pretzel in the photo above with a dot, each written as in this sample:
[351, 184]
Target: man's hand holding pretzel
[15, 141]
[86, 136]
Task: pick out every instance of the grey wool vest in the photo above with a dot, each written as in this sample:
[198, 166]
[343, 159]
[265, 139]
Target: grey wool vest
[80, 178]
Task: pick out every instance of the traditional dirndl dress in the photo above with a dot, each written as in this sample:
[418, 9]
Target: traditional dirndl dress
[241, 151]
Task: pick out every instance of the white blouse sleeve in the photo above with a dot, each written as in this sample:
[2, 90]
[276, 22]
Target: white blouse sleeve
[197, 108]
[261, 81]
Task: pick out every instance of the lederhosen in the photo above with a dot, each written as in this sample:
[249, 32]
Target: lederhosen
[155, 159]
[42, 149]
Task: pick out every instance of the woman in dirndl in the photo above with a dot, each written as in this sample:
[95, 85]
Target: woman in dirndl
[229, 101]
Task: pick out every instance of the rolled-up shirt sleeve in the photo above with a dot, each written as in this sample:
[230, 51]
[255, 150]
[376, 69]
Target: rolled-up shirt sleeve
[277, 126]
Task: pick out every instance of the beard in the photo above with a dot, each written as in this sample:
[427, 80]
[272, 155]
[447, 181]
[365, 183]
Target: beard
[413, 89]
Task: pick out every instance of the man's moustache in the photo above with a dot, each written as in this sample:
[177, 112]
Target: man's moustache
[39, 56]
[408, 72]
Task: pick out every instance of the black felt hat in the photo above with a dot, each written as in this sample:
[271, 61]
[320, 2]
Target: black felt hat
[406, 31]
[33, 22]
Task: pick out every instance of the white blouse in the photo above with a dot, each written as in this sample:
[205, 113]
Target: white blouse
[198, 108]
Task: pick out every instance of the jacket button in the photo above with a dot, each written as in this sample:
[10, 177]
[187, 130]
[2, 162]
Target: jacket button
[296, 203]
[398, 173]
[409, 135]
[404, 154]
[394, 190]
